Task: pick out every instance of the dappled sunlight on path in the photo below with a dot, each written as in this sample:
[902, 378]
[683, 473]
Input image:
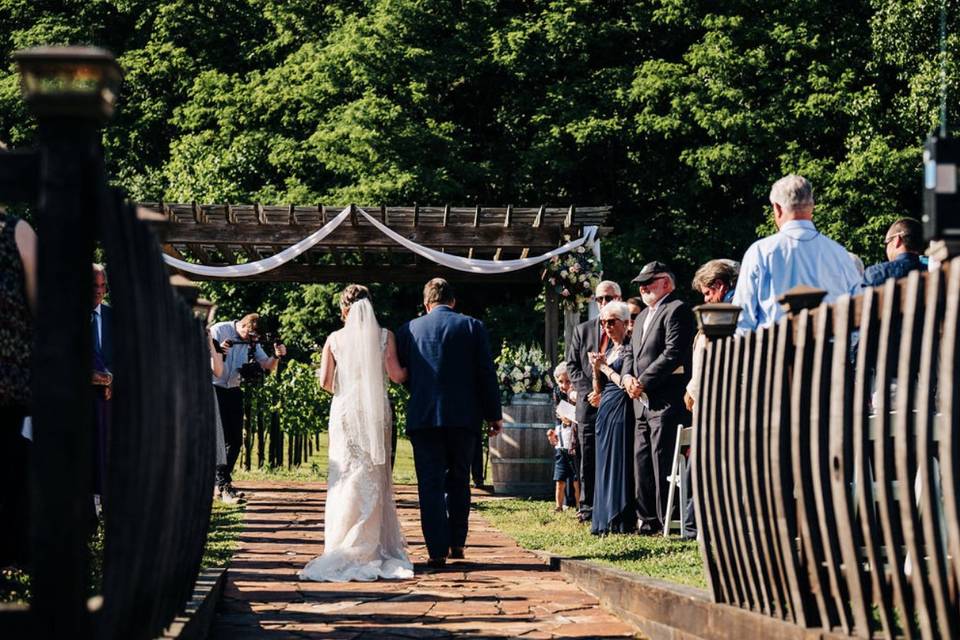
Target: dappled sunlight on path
[499, 590]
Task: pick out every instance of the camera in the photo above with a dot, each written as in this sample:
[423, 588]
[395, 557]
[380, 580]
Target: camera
[251, 373]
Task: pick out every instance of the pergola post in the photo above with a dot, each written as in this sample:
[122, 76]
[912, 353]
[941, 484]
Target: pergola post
[551, 327]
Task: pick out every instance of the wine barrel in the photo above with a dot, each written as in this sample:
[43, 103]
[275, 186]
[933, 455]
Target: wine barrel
[521, 456]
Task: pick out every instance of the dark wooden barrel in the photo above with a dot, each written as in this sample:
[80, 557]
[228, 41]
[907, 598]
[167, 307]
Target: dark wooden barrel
[521, 456]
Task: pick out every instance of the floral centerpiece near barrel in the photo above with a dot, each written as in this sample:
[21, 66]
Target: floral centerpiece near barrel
[521, 457]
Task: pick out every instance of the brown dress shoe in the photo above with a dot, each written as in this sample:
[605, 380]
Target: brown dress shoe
[436, 563]
[456, 553]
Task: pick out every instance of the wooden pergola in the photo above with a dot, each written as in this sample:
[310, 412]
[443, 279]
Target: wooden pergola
[227, 234]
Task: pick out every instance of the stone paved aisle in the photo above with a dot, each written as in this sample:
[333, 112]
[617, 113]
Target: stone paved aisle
[498, 591]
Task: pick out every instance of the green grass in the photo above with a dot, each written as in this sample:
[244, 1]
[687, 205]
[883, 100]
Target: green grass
[226, 523]
[534, 525]
[315, 468]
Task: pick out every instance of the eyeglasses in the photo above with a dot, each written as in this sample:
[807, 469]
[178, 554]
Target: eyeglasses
[887, 241]
[633, 316]
[606, 299]
[609, 322]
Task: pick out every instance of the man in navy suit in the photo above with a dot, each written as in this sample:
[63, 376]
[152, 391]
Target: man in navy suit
[101, 328]
[453, 390]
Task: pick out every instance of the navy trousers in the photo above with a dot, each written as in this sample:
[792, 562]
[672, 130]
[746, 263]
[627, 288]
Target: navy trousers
[442, 458]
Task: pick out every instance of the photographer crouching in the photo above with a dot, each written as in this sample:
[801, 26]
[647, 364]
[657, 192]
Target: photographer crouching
[244, 361]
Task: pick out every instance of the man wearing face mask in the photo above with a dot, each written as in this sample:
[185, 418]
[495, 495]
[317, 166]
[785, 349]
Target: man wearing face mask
[655, 377]
[587, 338]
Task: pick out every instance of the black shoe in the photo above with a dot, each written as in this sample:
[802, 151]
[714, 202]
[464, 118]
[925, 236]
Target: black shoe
[436, 563]
[456, 553]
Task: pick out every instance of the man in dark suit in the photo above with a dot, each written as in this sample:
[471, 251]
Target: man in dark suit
[453, 389]
[655, 378]
[587, 338]
[101, 329]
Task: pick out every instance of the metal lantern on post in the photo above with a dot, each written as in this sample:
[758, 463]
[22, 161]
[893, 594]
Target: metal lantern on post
[69, 82]
[717, 319]
[72, 92]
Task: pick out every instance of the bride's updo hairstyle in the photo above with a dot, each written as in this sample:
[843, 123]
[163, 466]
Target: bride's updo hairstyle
[352, 294]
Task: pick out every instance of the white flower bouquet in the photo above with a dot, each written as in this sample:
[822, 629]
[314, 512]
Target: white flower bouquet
[523, 369]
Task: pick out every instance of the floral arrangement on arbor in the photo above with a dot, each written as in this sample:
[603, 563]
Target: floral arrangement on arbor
[574, 276]
[523, 369]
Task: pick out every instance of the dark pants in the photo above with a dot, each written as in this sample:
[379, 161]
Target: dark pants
[14, 488]
[442, 458]
[476, 465]
[588, 463]
[101, 437]
[230, 402]
[654, 437]
[686, 501]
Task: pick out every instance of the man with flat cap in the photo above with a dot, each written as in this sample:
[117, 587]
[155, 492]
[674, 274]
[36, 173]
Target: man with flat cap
[655, 377]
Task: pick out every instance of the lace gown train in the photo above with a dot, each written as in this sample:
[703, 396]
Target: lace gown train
[362, 539]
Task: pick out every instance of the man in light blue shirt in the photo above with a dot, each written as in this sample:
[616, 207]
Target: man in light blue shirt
[797, 254]
[235, 340]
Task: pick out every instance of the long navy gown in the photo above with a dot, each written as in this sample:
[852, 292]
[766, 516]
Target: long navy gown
[613, 501]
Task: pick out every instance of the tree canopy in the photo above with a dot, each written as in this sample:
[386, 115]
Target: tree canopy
[680, 113]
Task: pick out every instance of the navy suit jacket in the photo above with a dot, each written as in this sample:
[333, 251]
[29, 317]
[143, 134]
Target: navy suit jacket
[451, 376]
[106, 336]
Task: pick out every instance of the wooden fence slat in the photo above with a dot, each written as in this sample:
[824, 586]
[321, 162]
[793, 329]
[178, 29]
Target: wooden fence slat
[826, 343]
[883, 458]
[700, 474]
[841, 461]
[867, 353]
[771, 542]
[753, 495]
[905, 453]
[780, 476]
[930, 498]
[716, 511]
[744, 504]
[729, 470]
[805, 379]
[950, 423]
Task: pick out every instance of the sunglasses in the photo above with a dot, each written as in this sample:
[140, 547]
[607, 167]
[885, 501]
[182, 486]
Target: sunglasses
[606, 299]
[633, 316]
[609, 322]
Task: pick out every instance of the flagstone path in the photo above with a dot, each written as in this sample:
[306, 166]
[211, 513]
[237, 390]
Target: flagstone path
[498, 591]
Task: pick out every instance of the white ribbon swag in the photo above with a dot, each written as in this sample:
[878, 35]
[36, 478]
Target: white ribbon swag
[471, 265]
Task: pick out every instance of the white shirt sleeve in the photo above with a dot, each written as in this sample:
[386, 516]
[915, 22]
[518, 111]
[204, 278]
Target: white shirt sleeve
[745, 294]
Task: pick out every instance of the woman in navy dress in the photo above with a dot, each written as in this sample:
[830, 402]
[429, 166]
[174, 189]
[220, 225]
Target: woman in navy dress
[613, 508]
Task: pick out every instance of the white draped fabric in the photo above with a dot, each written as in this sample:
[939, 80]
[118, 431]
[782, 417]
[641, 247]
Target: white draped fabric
[470, 265]
[260, 266]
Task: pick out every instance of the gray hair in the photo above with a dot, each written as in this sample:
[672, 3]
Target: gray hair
[792, 192]
[560, 370]
[616, 309]
[99, 268]
[722, 269]
[608, 284]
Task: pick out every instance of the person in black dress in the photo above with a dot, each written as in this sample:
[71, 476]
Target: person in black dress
[613, 500]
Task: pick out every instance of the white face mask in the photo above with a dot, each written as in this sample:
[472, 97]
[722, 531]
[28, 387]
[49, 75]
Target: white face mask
[649, 298]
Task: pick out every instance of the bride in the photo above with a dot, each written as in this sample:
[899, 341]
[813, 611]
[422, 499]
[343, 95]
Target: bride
[362, 539]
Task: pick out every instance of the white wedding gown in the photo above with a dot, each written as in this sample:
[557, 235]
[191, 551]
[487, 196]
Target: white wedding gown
[362, 539]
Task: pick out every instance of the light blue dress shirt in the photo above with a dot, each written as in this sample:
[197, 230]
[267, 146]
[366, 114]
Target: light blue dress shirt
[236, 355]
[797, 254]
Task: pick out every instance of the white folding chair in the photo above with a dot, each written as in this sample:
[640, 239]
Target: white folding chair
[677, 480]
